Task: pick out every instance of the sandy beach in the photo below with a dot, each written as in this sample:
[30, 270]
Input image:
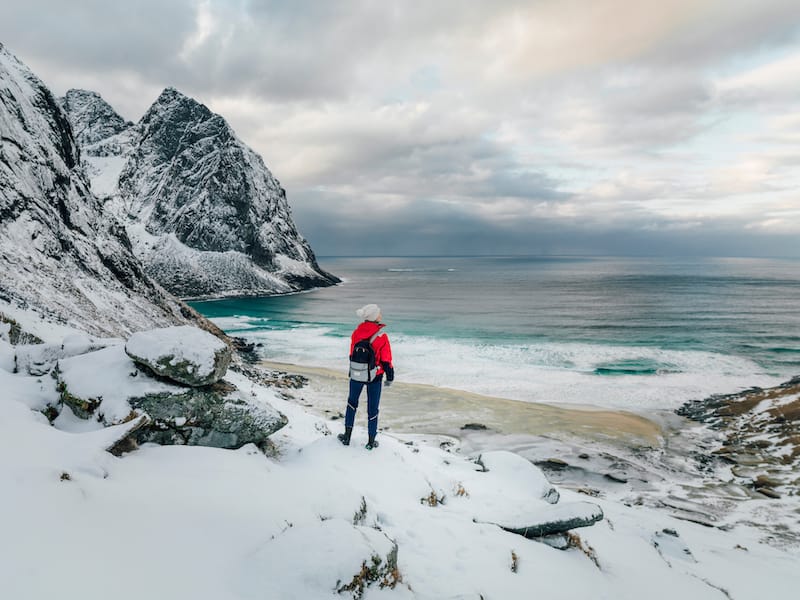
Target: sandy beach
[424, 409]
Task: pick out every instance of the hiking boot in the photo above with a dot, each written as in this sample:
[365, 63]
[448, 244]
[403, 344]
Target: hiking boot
[372, 444]
[345, 437]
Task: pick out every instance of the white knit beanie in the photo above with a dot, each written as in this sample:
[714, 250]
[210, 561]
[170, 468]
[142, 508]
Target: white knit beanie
[370, 312]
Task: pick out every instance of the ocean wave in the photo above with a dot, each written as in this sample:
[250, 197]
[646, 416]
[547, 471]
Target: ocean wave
[611, 376]
[239, 323]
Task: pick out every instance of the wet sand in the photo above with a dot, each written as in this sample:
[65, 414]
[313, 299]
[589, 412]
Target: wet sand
[425, 409]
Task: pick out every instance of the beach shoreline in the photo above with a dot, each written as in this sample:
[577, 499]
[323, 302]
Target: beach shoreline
[660, 459]
[415, 408]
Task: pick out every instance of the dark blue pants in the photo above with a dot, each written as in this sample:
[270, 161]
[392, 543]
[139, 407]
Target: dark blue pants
[373, 401]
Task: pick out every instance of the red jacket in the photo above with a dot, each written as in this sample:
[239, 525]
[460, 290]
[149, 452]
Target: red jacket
[383, 351]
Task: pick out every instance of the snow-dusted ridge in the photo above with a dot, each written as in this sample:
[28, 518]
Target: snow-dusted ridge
[61, 253]
[204, 213]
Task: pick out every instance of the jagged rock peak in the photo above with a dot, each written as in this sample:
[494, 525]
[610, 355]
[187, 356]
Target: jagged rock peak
[173, 99]
[192, 183]
[93, 119]
[171, 94]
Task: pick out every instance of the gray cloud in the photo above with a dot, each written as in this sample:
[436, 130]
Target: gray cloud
[435, 230]
[469, 126]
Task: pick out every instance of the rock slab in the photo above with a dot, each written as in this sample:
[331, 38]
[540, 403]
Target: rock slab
[206, 417]
[183, 354]
[553, 520]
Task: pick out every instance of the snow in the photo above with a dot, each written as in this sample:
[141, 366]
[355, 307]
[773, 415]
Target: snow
[103, 172]
[8, 359]
[34, 323]
[199, 273]
[34, 392]
[195, 522]
[109, 374]
[181, 344]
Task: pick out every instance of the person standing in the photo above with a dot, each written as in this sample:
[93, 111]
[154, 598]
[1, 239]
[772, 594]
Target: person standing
[370, 360]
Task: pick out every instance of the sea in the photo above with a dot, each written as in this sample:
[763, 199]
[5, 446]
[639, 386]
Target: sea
[638, 334]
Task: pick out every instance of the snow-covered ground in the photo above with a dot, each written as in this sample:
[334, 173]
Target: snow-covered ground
[318, 517]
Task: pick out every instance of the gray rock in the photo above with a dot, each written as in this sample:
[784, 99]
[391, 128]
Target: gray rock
[184, 354]
[768, 492]
[210, 416]
[551, 496]
[474, 427]
[555, 520]
[616, 476]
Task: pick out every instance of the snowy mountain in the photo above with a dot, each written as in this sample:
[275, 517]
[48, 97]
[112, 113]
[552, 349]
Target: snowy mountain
[62, 254]
[205, 215]
[92, 118]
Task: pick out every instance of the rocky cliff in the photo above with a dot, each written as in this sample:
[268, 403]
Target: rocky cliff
[204, 213]
[92, 118]
[60, 252]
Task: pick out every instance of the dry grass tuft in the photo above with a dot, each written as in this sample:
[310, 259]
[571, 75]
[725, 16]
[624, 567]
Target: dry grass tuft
[575, 541]
[432, 500]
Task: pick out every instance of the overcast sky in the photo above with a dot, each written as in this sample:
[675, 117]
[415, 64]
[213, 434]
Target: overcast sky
[474, 127]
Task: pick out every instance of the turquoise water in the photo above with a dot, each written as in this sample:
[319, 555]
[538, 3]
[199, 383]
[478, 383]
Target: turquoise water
[627, 332]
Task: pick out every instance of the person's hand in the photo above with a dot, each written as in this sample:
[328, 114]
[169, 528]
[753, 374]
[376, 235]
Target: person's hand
[388, 383]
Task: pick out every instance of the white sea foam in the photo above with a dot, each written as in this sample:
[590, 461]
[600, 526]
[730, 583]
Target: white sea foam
[536, 372]
[239, 323]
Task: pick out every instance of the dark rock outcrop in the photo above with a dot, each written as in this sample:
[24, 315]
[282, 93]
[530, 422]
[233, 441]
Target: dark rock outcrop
[555, 520]
[16, 334]
[759, 435]
[208, 416]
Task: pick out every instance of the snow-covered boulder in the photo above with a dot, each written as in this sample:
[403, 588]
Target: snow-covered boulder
[108, 387]
[514, 494]
[518, 478]
[99, 384]
[184, 354]
[79, 343]
[39, 359]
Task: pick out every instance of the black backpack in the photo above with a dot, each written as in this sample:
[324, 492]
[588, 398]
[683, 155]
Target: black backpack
[363, 365]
